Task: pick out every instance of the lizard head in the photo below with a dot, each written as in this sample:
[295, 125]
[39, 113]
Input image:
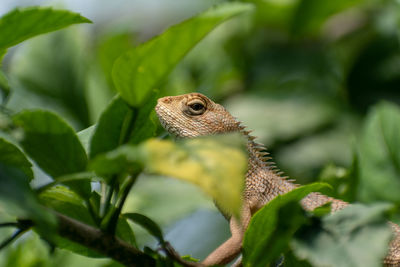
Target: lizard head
[194, 114]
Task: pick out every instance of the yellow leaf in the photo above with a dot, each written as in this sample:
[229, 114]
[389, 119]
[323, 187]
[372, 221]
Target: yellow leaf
[217, 164]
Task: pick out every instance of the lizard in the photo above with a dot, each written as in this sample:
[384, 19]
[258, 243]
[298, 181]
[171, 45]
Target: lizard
[192, 115]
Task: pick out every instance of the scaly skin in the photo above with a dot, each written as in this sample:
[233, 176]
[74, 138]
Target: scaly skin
[193, 115]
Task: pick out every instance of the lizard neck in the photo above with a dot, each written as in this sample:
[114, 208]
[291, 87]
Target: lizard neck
[263, 180]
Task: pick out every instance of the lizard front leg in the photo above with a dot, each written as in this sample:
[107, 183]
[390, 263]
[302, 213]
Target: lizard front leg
[229, 249]
[226, 252]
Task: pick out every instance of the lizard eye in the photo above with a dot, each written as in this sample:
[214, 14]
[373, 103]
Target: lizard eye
[196, 107]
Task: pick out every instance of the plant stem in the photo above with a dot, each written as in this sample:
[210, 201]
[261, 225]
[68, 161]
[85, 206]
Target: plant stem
[112, 224]
[110, 193]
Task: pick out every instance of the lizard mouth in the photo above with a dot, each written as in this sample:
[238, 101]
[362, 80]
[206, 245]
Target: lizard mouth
[161, 114]
[164, 117]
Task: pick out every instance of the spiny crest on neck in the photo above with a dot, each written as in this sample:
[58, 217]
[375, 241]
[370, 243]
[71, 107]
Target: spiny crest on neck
[260, 151]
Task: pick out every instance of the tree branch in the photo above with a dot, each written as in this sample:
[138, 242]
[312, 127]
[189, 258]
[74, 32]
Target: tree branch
[101, 242]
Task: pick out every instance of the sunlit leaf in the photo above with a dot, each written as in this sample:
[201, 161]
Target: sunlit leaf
[141, 69]
[379, 155]
[272, 227]
[216, 164]
[21, 24]
[355, 236]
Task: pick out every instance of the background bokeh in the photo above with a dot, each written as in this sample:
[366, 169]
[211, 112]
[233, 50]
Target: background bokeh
[302, 74]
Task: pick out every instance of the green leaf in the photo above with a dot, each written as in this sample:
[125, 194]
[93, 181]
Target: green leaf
[189, 258]
[122, 160]
[107, 132]
[4, 86]
[21, 24]
[88, 176]
[272, 226]
[124, 232]
[289, 218]
[322, 210]
[53, 145]
[66, 202]
[355, 236]
[12, 156]
[77, 248]
[379, 155]
[30, 251]
[141, 69]
[17, 198]
[216, 164]
[120, 124]
[85, 136]
[145, 124]
[146, 223]
[292, 260]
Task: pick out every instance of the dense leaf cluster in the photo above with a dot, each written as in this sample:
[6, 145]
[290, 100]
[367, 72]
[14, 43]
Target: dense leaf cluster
[308, 73]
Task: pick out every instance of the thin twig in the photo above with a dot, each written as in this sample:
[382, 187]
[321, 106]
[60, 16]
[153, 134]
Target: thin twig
[110, 193]
[9, 224]
[12, 238]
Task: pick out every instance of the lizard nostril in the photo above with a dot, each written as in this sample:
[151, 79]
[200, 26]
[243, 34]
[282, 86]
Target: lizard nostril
[165, 100]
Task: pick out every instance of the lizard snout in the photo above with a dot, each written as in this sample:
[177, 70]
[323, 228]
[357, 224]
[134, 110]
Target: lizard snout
[165, 100]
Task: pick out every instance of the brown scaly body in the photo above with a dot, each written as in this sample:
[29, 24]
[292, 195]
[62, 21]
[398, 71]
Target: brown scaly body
[193, 115]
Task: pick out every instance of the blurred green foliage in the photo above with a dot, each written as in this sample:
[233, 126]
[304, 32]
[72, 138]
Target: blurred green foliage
[317, 81]
[361, 231]
[273, 226]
